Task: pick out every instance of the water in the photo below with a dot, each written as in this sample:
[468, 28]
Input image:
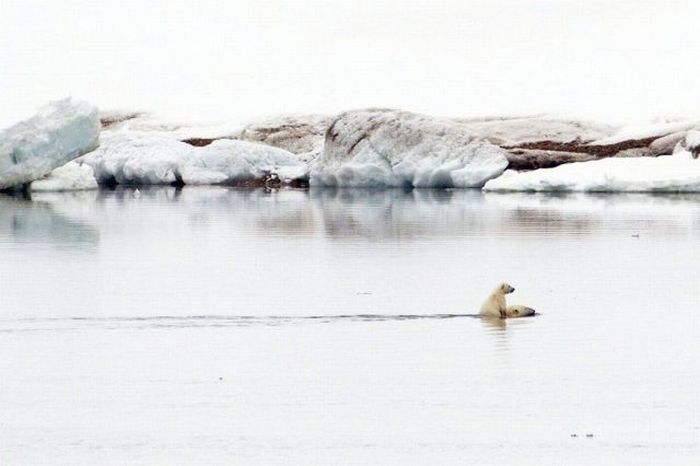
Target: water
[216, 326]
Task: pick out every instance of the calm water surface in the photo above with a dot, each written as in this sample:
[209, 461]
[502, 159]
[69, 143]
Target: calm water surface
[216, 326]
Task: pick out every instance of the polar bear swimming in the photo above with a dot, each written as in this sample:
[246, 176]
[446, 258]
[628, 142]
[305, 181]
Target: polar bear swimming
[518, 310]
[495, 304]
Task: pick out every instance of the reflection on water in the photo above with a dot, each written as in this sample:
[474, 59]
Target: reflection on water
[307, 326]
[350, 214]
[326, 252]
[28, 221]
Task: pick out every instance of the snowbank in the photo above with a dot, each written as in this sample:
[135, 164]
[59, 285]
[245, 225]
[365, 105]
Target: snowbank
[363, 148]
[530, 142]
[132, 158]
[229, 162]
[72, 176]
[155, 125]
[388, 148]
[58, 133]
[675, 173]
[510, 132]
[142, 159]
[646, 131]
[298, 134]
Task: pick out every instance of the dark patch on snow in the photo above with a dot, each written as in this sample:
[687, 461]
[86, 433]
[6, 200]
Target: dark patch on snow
[331, 133]
[600, 150]
[178, 183]
[365, 135]
[200, 142]
[547, 154]
[19, 192]
[13, 156]
[109, 182]
[108, 121]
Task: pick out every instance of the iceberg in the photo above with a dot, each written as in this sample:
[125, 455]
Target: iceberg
[389, 148]
[143, 159]
[60, 132]
[671, 173]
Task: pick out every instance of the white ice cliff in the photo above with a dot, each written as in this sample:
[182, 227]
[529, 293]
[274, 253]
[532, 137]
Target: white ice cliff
[388, 148]
[57, 134]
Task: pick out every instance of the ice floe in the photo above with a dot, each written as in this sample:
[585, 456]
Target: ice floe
[229, 161]
[143, 159]
[72, 176]
[361, 148]
[646, 131]
[674, 173]
[58, 133]
[388, 148]
[131, 158]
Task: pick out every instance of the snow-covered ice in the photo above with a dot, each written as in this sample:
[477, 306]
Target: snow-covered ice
[72, 176]
[131, 158]
[674, 173]
[58, 133]
[362, 148]
[144, 159]
[227, 161]
[151, 124]
[298, 134]
[692, 141]
[515, 131]
[387, 148]
[646, 130]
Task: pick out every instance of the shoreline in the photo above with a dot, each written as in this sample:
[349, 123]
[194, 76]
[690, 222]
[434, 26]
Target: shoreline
[370, 148]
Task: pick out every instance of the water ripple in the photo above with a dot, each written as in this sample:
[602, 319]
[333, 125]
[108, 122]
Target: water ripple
[164, 321]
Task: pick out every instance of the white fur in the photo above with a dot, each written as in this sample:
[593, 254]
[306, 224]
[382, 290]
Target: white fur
[518, 310]
[495, 304]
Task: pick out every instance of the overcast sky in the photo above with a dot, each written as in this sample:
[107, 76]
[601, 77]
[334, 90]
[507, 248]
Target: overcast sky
[210, 59]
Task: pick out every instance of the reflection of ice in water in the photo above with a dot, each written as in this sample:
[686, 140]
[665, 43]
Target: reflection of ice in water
[39, 222]
[380, 214]
[395, 214]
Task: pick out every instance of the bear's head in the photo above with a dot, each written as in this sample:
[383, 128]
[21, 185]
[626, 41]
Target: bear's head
[506, 288]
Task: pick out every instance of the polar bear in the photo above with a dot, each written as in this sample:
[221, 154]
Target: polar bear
[495, 304]
[518, 310]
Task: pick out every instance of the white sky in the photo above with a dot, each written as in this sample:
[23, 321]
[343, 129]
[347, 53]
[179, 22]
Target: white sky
[607, 60]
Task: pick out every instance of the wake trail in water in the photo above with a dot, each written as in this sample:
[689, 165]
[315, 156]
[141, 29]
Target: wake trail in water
[164, 321]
